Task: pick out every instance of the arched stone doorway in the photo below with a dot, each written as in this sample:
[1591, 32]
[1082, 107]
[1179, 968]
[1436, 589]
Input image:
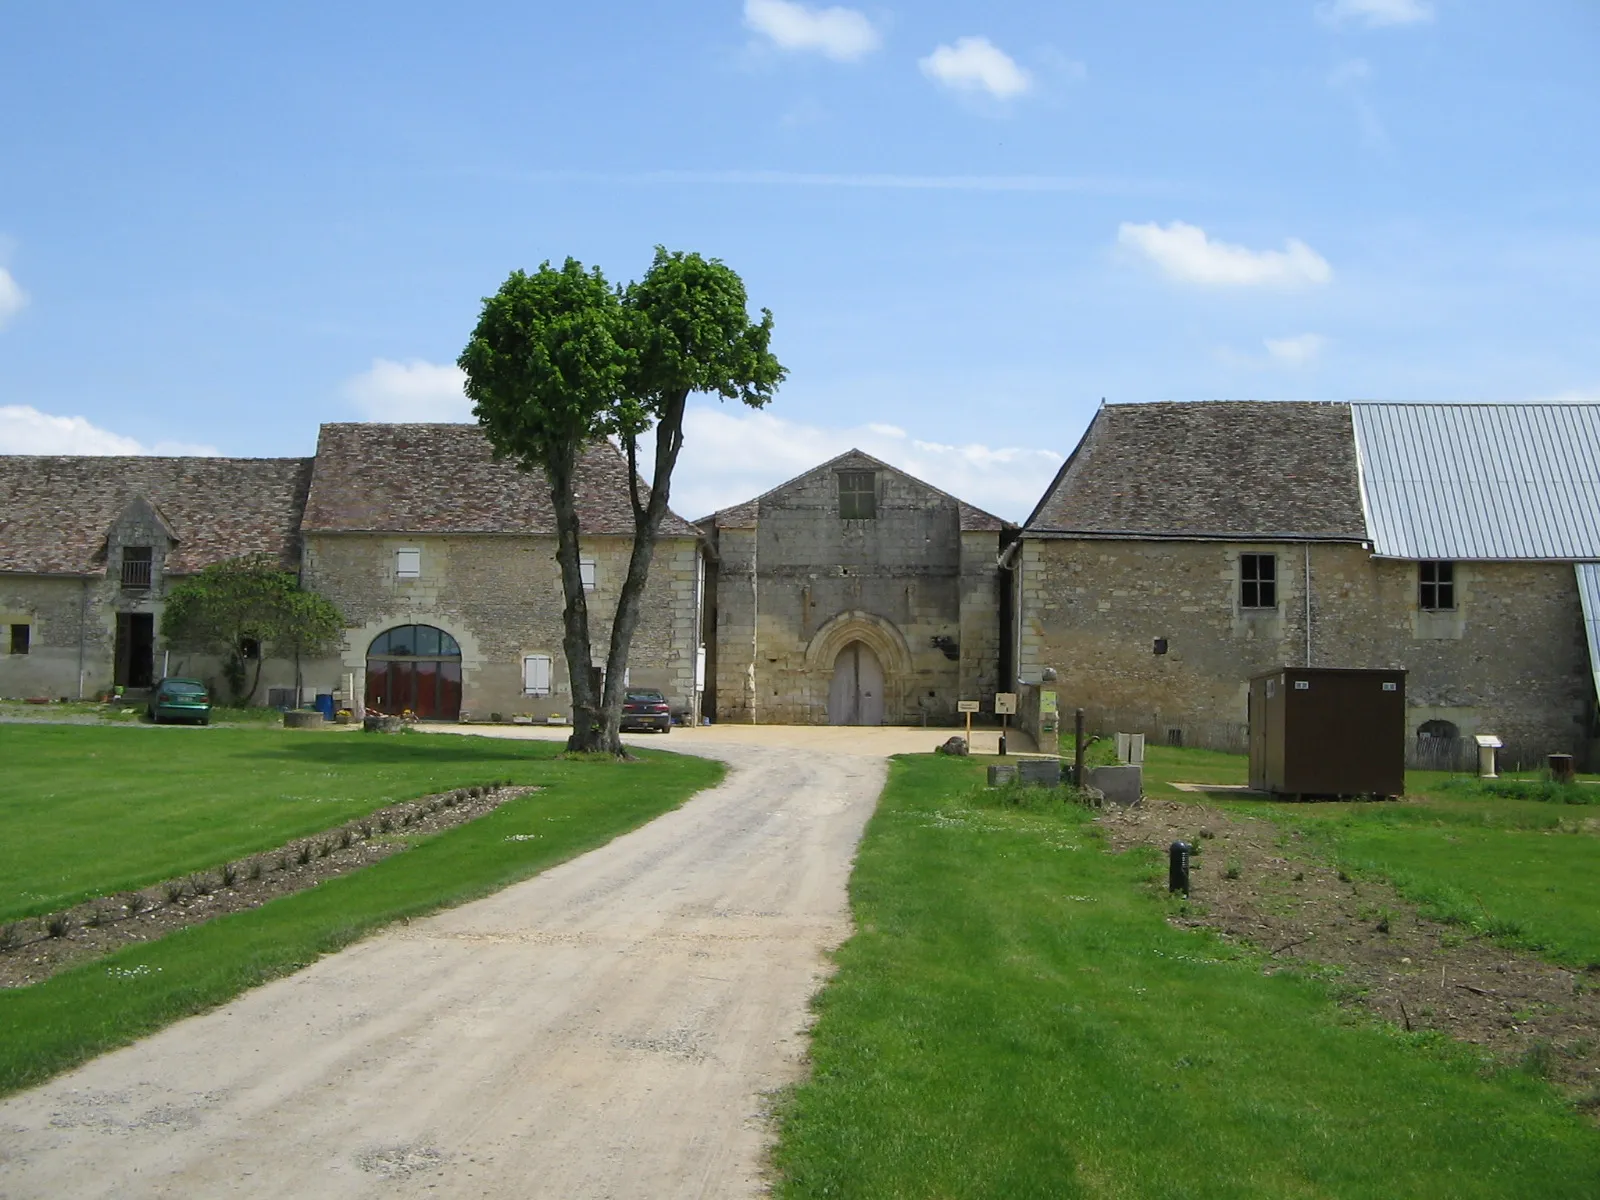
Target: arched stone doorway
[855, 697]
[883, 662]
[415, 668]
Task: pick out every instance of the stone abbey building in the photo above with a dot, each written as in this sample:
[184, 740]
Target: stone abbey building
[442, 560]
[1181, 549]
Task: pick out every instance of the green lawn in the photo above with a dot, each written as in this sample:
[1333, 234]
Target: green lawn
[1521, 870]
[53, 1025]
[89, 810]
[1516, 859]
[1014, 1017]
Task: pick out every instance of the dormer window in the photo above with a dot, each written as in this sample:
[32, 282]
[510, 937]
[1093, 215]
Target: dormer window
[136, 568]
[858, 495]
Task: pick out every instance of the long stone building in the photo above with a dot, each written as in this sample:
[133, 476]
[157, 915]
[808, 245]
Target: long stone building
[1184, 547]
[1181, 549]
[442, 560]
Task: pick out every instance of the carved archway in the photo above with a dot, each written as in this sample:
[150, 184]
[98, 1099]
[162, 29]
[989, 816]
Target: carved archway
[885, 641]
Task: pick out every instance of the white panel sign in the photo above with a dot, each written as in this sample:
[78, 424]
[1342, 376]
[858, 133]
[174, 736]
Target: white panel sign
[1005, 704]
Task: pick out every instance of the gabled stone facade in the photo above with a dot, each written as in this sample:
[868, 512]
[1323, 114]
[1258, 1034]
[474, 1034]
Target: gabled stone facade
[853, 553]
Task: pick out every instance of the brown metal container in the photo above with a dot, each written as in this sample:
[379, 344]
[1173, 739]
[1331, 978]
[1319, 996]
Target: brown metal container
[1326, 731]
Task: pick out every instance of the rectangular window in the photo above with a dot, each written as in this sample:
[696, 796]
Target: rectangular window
[136, 567]
[536, 675]
[586, 573]
[1258, 581]
[21, 638]
[1436, 586]
[858, 495]
[408, 564]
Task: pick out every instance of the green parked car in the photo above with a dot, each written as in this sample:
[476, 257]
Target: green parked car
[180, 700]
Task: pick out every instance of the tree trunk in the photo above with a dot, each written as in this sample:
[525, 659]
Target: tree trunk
[647, 518]
[588, 730]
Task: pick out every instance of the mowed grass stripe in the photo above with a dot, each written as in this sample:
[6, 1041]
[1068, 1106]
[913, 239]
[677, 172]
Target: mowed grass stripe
[93, 810]
[1014, 1017]
[54, 1025]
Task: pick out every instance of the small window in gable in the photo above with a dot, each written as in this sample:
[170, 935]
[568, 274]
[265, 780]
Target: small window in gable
[136, 561]
[1436, 586]
[407, 564]
[586, 573]
[1258, 581]
[536, 675]
[21, 638]
[858, 495]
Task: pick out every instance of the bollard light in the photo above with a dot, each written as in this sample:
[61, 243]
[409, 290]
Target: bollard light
[1178, 867]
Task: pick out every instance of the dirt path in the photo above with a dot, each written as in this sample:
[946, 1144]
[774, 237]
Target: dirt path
[609, 1028]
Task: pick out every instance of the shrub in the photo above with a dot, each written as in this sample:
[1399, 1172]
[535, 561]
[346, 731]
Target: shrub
[174, 890]
[58, 925]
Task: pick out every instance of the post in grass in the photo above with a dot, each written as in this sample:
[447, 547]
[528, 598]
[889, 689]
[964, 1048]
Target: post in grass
[969, 707]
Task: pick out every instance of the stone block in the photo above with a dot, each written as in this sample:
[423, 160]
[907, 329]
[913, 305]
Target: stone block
[1039, 772]
[1002, 774]
[1120, 784]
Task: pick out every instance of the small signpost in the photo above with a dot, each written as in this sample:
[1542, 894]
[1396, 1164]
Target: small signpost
[1005, 706]
[969, 707]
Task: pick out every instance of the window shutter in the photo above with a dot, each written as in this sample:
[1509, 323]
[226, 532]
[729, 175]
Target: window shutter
[536, 674]
[586, 572]
[407, 564]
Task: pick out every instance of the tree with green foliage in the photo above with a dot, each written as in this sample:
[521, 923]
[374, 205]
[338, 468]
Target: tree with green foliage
[232, 606]
[560, 359]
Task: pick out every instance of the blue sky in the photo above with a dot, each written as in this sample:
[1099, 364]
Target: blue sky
[219, 227]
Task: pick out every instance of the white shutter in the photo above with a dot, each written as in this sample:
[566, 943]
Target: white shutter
[586, 573]
[407, 564]
[536, 674]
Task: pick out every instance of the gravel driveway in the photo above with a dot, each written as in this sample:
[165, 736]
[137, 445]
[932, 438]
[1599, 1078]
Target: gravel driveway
[609, 1028]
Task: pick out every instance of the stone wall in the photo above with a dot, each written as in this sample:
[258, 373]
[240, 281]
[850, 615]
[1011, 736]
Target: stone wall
[57, 610]
[1510, 660]
[500, 597]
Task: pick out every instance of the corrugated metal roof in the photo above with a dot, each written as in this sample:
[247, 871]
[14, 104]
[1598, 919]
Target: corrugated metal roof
[1589, 593]
[1481, 481]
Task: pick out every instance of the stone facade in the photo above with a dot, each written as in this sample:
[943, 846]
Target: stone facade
[483, 533]
[67, 525]
[794, 584]
[500, 597]
[1131, 576]
[1511, 659]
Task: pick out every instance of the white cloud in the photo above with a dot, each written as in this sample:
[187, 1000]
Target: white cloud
[1297, 351]
[1376, 13]
[731, 455]
[842, 34]
[26, 430]
[977, 64]
[410, 391]
[12, 298]
[1185, 253]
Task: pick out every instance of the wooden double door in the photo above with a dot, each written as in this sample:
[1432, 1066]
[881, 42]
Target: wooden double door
[855, 696]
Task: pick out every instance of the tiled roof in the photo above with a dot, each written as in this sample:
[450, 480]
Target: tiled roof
[746, 515]
[444, 479]
[55, 511]
[1219, 469]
